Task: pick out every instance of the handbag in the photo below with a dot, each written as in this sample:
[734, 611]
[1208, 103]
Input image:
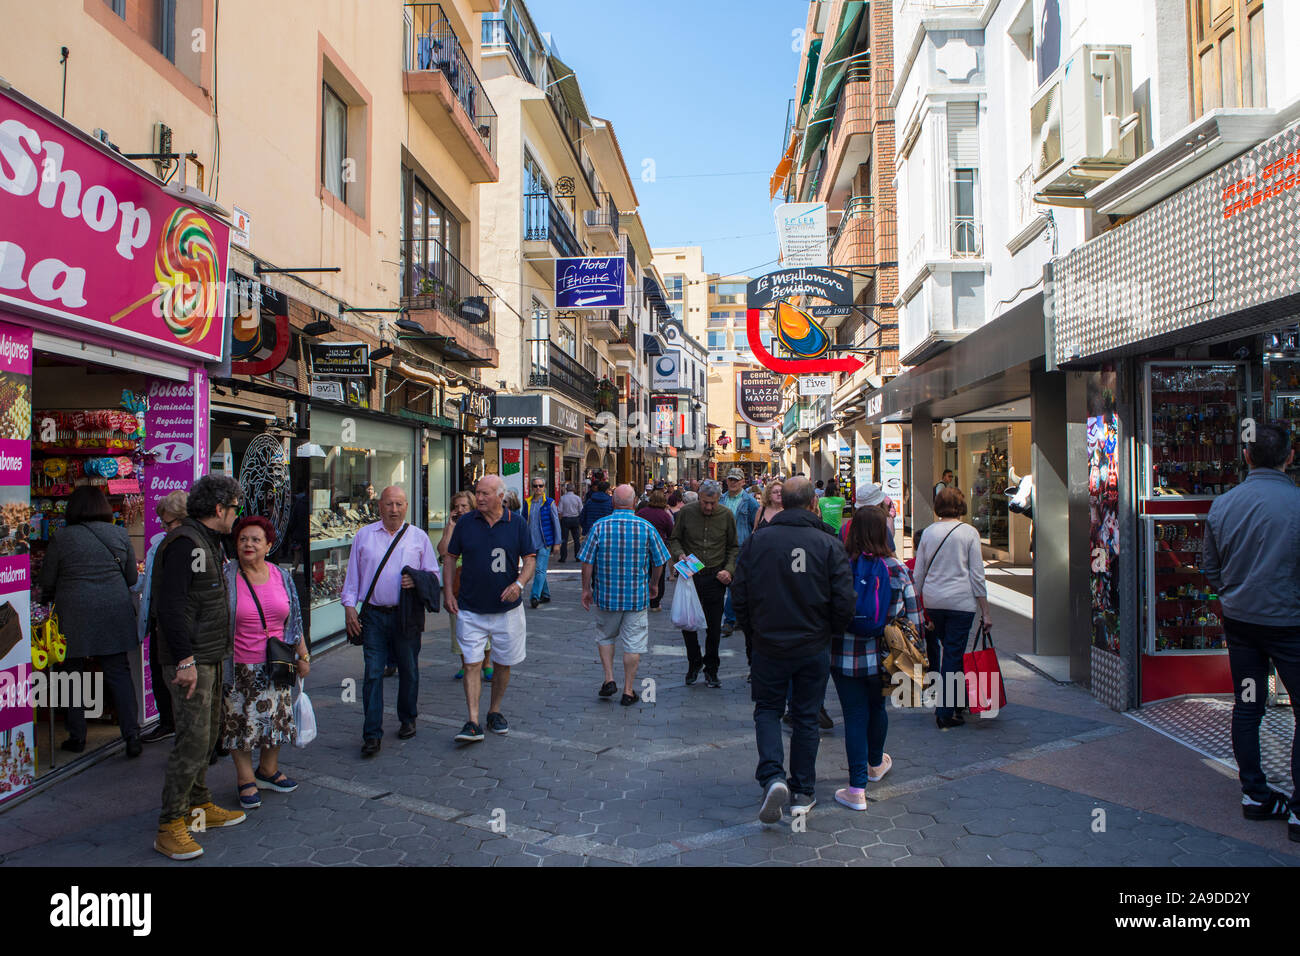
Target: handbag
[903, 652]
[280, 656]
[983, 675]
[120, 562]
[359, 639]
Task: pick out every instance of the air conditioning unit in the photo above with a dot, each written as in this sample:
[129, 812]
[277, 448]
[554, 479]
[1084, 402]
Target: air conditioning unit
[1083, 124]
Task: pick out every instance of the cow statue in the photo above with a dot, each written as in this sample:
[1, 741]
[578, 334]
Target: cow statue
[1021, 500]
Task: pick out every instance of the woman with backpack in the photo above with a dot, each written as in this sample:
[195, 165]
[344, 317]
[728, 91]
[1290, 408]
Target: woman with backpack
[950, 580]
[884, 591]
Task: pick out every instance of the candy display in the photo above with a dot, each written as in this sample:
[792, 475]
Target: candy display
[17, 761]
[10, 628]
[15, 407]
[99, 429]
[186, 265]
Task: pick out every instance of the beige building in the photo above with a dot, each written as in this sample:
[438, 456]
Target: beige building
[735, 441]
[686, 285]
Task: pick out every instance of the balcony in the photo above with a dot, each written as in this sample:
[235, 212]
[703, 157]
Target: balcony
[852, 242]
[602, 224]
[603, 326]
[622, 347]
[497, 32]
[546, 227]
[849, 143]
[447, 93]
[434, 286]
[555, 369]
[967, 238]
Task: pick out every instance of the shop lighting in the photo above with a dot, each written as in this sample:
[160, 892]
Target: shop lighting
[383, 352]
[313, 329]
[410, 325]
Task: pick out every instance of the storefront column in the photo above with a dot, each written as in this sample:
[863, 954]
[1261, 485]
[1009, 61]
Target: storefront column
[1130, 593]
[1061, 558]
[923, 479]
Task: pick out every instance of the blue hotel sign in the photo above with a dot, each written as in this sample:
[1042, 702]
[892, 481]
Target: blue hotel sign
[591, 283]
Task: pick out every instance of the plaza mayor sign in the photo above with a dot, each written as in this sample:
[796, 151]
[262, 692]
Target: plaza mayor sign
[798, 331]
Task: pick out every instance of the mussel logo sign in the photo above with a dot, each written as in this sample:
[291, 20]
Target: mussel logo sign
[797, 330]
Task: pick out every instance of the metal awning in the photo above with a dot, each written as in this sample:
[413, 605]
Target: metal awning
[650, 344]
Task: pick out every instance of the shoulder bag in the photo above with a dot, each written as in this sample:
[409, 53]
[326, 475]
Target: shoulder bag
[359, 640]
[120, 562]
[280, 656]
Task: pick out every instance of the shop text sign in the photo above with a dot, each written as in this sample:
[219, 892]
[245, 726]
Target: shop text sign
[815, 385]
[758, 397]
[88, 239]
[590, 283]
[340, 359]
[1272, 181]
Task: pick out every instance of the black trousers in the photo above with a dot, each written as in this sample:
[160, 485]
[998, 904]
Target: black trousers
[1250, 649]
[570, 527]
[803, 679]
[162, 694]
[117, 681]
[712, 593]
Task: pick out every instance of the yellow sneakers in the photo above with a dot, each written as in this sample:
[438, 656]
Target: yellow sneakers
[213, 817]
[174, 841]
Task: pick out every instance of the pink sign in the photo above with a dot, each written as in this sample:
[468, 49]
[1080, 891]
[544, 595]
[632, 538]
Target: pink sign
[15, 350]
[123, 486]
[91, 240]
[15, 696]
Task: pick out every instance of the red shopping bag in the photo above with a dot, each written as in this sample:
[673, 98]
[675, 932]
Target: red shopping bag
[983, 675]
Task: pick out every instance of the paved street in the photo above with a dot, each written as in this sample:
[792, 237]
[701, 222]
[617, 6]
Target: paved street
[580, 781]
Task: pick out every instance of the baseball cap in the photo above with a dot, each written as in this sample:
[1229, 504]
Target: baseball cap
[738, 473]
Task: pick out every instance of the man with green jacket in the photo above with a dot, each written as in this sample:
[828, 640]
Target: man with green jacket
[707, 530]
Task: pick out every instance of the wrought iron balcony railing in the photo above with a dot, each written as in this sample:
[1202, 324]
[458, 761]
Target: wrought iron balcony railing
[552, 367]
[432, 44]
[543, 220]
[432, 278]
[498, 32]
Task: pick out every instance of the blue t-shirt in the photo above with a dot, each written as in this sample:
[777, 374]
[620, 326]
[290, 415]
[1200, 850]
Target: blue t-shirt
[490, 556]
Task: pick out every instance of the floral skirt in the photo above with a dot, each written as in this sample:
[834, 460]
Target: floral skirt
[257, 713]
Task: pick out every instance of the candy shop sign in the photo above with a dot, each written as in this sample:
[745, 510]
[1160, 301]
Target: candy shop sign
[87, 239]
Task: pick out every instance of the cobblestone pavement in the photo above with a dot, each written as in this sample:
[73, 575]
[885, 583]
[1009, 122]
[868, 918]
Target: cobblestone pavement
[580, 781]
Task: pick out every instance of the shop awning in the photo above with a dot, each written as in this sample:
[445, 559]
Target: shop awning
[650, 344]
[810, 75]
[783, 168]
[832, 78]
[567, 81]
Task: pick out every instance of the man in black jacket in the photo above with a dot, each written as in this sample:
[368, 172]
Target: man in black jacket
[793, 589]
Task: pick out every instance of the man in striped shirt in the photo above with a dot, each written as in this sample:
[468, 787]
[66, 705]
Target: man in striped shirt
[624, 557]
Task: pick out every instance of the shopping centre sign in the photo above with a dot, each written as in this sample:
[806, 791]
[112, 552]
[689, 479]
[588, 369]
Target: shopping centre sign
[88, 239]
[798, 331]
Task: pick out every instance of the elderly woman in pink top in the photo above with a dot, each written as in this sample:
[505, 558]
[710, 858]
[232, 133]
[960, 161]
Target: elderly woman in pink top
[258, 715]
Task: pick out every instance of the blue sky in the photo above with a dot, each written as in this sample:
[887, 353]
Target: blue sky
[722, 87]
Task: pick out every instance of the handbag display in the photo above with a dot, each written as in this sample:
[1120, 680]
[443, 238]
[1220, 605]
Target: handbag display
[280, 655]
[983, 675]
[359, 639]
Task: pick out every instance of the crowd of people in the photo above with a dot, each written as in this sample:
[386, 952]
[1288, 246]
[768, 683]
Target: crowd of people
[811, 582]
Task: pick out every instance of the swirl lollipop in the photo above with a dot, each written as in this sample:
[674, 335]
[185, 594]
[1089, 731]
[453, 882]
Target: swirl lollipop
[186, 266]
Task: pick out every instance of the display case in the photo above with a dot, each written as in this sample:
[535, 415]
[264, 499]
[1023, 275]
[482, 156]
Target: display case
[1193, 428]
[990, 478]
[1183, 610]
[1283, 376]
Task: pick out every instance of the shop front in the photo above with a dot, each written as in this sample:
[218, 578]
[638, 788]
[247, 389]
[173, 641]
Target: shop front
[533, 432]
[109, 318]
[1179, 361]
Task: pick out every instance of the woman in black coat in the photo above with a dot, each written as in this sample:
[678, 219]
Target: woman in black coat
[88, 571]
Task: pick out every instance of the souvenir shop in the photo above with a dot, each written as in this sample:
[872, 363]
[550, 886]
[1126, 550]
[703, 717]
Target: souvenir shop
[103, 381]
[1166, 412]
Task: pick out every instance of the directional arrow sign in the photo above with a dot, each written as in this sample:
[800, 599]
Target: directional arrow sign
[893, 461]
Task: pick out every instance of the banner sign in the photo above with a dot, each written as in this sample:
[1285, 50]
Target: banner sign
[88, 239]
[665, 371]
[17, 730]
[591, 283]
[801, 232]
[758, 397]
[788, 283]
[340, 359]
[797, 331]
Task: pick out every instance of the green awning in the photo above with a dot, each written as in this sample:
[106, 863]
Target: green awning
[810, 75]
[567, 81]
[833, 71]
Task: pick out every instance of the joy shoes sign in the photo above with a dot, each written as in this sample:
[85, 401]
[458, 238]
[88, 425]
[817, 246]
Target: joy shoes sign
[89, 239]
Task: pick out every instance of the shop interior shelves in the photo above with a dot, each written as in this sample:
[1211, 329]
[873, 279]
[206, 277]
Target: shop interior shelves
[323, 544]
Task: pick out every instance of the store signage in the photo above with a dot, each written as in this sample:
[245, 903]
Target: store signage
[665, 371]
[478, 404]
[788, 283]
[815, 385]
[474, 309]
[340, 359]
[241, 231]
[758, 397]
[801, 232]
[798, 331]
[862, 464]
[88, 239]
[563, 417]
[516, 411]
[875, 403]
[591, 283]
[330, 391]
[830, 311]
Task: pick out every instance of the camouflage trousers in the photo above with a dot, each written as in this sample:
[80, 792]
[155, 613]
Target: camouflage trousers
[198, 724]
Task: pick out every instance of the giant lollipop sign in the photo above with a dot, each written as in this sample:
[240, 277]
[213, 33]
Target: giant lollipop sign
[88, 239]
[797, 331]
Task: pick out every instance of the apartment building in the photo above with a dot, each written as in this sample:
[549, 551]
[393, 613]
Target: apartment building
[681, 380]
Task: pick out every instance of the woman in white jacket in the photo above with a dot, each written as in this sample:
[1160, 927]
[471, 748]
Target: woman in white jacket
[950, 582]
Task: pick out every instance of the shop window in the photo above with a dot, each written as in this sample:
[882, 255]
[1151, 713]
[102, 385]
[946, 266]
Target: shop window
[1227, 55]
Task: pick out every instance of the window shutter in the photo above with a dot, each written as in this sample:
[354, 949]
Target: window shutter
[963, 135]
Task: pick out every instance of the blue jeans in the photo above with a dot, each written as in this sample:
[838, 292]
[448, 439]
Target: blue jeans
[865, 722]
[952, 628]
[769, 679]
[379, 628]
[540, 588]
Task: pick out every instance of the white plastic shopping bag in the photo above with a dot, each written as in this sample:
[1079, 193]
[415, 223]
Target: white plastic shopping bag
[304, 718]
[688, 613]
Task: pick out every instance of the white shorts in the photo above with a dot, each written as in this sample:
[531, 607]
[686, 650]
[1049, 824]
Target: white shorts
[632, 628]
[508, 633]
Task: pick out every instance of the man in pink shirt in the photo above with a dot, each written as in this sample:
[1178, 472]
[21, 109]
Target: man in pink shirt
[371, 597]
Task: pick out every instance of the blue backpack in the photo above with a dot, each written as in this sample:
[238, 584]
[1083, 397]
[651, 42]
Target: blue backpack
[875, 594]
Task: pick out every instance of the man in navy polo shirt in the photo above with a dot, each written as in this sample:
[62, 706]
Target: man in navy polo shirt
[491, 543]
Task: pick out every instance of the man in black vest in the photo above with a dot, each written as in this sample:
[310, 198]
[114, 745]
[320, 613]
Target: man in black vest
[192, 614]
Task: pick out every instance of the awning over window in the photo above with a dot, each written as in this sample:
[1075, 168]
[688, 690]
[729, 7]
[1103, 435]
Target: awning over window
[810, 76]
[834, 68]
[567, 81]
[783, 168]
